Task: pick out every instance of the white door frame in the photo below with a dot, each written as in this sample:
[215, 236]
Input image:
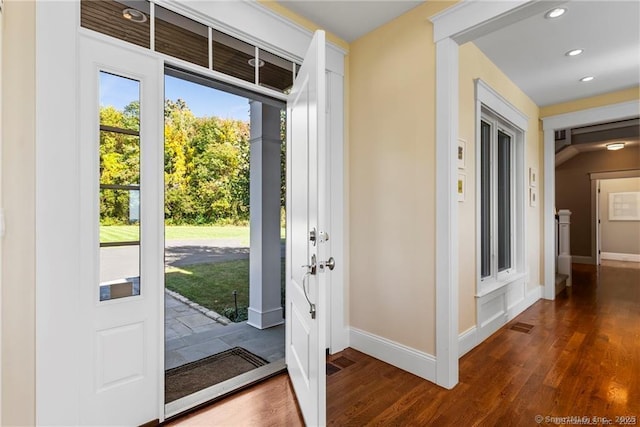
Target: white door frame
[621, 111]
[596, 178]
[57, 145]
[457, 25]
[454, 26]
[597, 220]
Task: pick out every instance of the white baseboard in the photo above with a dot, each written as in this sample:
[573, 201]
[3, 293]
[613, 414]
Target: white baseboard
[406, 358]
[470, 338]
[467, 341]
[338, 340]
[620, 257]
[423, 364]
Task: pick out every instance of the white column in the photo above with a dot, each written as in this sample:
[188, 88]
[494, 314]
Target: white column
[564, 235]
[447, 255]
[265, 308]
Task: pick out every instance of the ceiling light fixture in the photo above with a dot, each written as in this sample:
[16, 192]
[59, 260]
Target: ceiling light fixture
[615, 146]
[574, 52]
[134, 15]
[587, 79]
[555, 13]
[252, 62]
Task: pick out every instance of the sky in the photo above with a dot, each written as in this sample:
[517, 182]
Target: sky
[202, 100]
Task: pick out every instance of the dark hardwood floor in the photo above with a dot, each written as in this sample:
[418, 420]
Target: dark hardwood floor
[580, 358]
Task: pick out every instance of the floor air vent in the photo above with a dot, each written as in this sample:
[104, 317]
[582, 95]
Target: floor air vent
[338, 364]
[522, 327]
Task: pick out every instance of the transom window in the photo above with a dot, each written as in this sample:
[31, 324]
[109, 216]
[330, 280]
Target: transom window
[187, 40]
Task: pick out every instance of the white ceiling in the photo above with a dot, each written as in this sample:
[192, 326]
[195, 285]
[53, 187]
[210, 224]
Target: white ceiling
[350, 19]
[530, 52]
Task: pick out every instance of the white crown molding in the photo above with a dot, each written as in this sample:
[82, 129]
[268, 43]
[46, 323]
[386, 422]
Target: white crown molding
[592, 116]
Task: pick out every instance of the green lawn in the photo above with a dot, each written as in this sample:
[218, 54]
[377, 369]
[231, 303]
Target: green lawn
[119, 233]
[212, 285]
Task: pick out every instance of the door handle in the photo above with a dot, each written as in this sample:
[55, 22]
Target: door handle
[330, 264]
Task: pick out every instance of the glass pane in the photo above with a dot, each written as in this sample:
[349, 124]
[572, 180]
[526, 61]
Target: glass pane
[275, 72]
[119, 159]
[128, 22]
[233, 57]
[504, 201]
[119, 272]
[119, 102]
[485, 199]
[119, 216]
[181, 37]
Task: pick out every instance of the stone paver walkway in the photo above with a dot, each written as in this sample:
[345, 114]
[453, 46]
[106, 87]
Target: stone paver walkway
[190, 336]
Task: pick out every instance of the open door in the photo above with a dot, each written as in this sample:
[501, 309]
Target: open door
[307, 260]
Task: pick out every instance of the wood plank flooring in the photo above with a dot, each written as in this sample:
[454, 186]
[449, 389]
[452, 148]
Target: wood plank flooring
[581, 357]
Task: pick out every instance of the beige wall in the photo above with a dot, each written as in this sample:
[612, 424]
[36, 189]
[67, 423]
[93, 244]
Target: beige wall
[392, 180]
[573, 189]
[473, 65]
[18, 199]
[620, 237]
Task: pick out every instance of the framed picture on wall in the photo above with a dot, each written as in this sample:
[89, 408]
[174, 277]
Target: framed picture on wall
[624, 206]
[533, 177]
[462, 153]
[461, 186]
[533, 197]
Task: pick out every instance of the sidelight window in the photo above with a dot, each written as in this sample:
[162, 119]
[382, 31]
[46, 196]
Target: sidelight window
[119, 149]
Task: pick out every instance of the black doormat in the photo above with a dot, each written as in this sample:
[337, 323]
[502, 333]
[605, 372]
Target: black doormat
[195, 376]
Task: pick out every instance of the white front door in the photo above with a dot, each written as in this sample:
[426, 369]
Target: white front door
[307, 309]
[121, 298]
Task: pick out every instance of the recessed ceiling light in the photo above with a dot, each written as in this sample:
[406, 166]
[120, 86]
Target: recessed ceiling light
[574, 52]
[252, 62]
[615, 146]
[587, 79]
[555, 13]
[134, 15]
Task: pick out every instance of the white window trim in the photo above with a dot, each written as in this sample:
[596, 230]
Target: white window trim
[492, 106]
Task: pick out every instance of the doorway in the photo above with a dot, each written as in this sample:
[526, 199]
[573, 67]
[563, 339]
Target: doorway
[618, 221]
[224, 174]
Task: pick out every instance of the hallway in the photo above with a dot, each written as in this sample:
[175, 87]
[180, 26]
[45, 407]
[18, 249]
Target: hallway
[578, 356]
